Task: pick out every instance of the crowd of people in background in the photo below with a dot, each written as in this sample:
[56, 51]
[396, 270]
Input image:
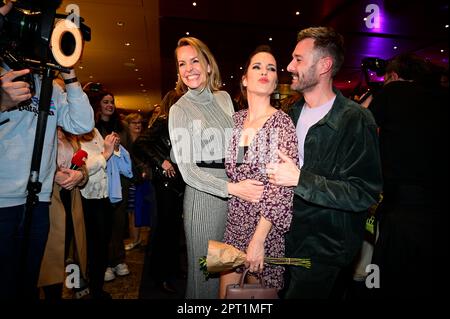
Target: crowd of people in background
[296, 180]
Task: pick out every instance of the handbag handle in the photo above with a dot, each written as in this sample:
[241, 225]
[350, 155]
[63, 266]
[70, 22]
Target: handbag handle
[241, 283]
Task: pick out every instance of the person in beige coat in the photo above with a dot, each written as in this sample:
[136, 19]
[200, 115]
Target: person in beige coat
[65, 204]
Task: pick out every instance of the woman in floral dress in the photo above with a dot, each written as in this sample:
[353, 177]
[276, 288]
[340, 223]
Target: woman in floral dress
[259, 131]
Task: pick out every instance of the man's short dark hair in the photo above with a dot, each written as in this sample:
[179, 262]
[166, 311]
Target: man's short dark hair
[409, 66]
[327, 42]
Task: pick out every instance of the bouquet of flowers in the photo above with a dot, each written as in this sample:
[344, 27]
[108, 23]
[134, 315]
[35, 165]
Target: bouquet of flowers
[222, 257]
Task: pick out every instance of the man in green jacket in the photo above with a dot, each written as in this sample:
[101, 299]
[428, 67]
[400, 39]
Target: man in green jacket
[339, 176]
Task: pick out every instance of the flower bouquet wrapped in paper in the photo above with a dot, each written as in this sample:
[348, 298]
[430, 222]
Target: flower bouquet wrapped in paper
[222, 257]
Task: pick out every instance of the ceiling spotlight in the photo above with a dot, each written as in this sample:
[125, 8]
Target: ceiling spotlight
[142, 84]
[365, 19]
[80, 67]
[194, 4]
[297, 13]
[144, 90]
[120, 23]
[395, 47]
[270, 39]
[446, 26]
[231, 76]
[136, 69]
[139, 78]
[91, 77]
[139, 110]
[187, 33]
[127, 44]
[442, 51]
[132, 59]
[349, 81]
[282, 70]
[240, 68]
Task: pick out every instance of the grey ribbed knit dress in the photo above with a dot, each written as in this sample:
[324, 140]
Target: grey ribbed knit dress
[200, 127]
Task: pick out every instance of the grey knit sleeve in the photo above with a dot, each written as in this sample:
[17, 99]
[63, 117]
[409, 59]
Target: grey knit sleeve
[182, 154]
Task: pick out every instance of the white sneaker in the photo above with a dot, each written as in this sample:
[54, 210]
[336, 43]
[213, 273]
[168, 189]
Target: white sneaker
[80, 294]
[121, 269]
[109, 274]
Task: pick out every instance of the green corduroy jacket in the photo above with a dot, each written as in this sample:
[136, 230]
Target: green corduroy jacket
[340, 179]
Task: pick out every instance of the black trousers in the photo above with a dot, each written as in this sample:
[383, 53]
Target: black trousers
[14, 283]
[165, 258]
[321, 281]
[116, 253]
[404, 250]
[98, 221]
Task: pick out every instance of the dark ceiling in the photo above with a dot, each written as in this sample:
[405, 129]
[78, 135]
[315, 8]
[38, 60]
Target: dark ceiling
[233, 28]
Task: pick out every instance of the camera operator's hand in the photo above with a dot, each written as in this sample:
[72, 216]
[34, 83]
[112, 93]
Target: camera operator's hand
[6, 8]
[12, 92]
[70, 77]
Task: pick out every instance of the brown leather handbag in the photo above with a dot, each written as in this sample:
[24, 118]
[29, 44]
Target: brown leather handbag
[250, 291]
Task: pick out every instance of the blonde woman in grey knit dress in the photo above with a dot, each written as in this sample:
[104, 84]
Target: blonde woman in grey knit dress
[200, 125]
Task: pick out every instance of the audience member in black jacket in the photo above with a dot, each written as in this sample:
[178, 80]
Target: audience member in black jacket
[154, 147]
[412, 114]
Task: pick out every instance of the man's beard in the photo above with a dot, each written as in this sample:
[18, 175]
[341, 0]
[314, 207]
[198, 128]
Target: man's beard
[307, 81]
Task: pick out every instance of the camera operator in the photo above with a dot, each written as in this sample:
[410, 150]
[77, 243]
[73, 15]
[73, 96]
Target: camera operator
[73, 112]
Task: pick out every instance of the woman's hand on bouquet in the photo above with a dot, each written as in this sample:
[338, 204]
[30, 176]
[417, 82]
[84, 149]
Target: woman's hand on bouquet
[255, 255]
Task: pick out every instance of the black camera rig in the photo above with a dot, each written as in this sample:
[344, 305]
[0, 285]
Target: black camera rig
[373, 70]
[34, 36]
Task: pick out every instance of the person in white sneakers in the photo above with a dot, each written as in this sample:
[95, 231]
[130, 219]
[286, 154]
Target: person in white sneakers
[97, 207]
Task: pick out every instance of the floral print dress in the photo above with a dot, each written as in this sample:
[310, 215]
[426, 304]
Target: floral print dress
[278, 132]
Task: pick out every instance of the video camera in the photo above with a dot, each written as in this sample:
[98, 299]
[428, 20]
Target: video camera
[34, 36]
[374, 69]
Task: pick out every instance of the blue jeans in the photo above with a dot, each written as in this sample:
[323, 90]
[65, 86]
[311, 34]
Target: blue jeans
[19, 280]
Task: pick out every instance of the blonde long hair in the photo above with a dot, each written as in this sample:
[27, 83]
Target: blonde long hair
[213, 80]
